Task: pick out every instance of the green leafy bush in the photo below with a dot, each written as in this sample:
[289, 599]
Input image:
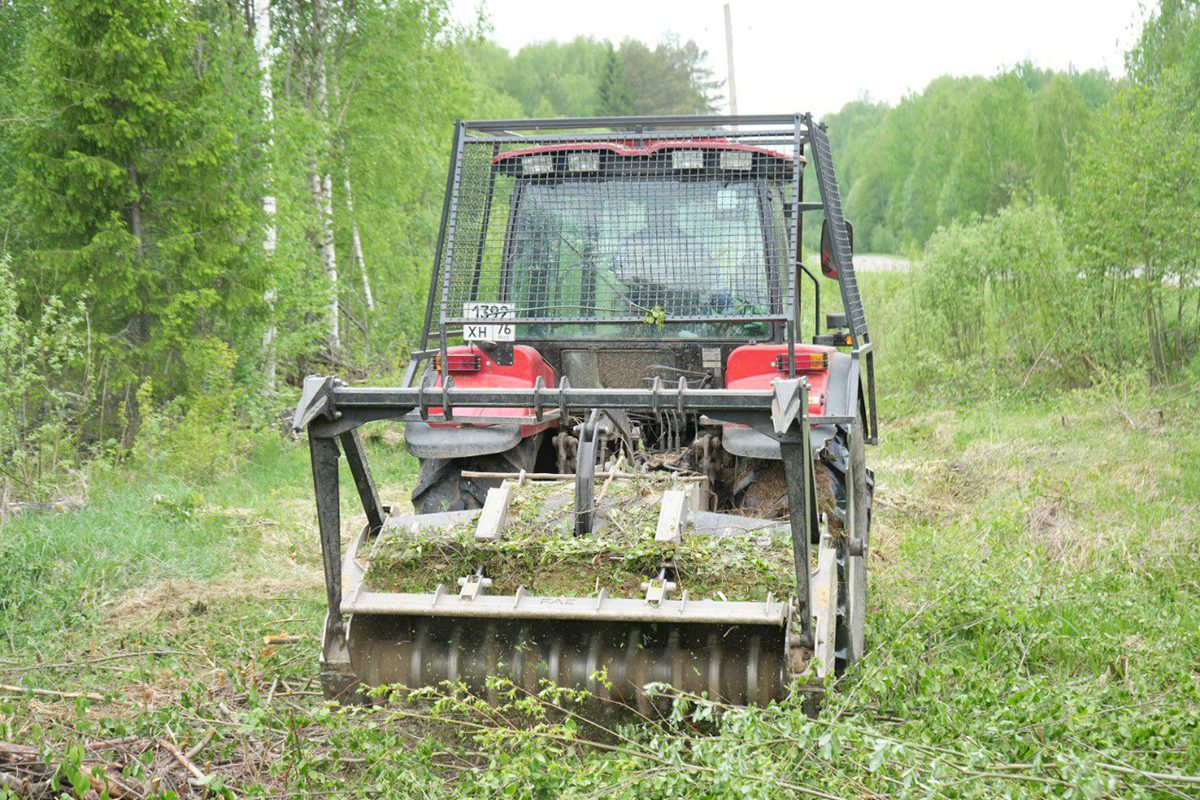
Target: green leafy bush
[204, 435]
[1134, 219]
[41, 361]
[995, 301]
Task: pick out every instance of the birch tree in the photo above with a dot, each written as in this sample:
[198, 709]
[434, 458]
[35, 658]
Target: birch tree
[262, 48]
[320, 179]
[358, 248]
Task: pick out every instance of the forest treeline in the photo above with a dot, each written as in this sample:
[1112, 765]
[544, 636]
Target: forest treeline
[963, 147]
[207, 199]
[588, 77]
[1055, 216]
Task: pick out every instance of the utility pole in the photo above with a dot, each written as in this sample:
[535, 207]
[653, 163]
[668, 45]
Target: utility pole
[729, 62]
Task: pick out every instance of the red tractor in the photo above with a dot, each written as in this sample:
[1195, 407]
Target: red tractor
[618, 297]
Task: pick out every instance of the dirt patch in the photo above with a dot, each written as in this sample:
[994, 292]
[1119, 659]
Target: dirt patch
[177, 599]
[1051, 526]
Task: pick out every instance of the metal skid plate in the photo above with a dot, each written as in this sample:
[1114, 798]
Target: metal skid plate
[442, 603]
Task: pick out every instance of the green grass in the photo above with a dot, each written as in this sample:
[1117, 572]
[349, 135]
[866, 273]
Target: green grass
[1034, 629]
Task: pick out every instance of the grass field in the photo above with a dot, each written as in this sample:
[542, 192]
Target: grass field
[1034, 631]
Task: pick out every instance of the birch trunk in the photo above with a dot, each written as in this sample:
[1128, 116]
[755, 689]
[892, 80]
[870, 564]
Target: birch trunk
[262, 46]
[358, 248]
[322, 186]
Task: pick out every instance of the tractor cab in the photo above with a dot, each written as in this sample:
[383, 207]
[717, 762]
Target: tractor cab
[674, 239]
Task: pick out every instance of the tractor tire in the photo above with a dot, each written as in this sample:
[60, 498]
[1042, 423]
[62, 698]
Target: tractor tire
[442, 487]
[852, 569]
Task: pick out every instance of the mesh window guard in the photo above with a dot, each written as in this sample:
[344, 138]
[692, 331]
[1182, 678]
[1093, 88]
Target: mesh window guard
[578, 233]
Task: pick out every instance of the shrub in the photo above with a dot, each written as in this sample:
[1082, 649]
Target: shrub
[995, 299]
[203, 435]
[45, 385]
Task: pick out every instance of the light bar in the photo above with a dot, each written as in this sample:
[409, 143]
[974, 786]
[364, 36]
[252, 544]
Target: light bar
[583, 162]
[737, 159]
[687, 159]
[805, 362]
[537, 165]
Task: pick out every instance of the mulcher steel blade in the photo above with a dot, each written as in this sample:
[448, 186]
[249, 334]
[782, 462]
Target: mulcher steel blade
[614, 662]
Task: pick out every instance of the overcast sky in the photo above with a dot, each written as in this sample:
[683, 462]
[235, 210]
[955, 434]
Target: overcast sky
[801, 56]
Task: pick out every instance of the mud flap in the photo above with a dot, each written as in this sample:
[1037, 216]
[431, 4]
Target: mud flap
[425, 441]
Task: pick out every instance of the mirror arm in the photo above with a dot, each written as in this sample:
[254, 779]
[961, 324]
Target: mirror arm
[816, 297]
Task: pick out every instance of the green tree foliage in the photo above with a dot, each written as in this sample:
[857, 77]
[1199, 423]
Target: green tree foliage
[563, 76]
[137, 188]
[963, 147]
[1059, 113]
[670, 79]
[855, 125]
[561, 79]
[993, 153]
[394, 82]
[1114, 285]
[615, 95]
[397, 162]
[1135, 211]
[16, 19]
[1168, 43]
[587, 76]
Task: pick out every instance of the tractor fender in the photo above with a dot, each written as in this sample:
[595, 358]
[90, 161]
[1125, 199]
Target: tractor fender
[841, 399]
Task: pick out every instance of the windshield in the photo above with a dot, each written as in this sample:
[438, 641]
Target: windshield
[653, 250]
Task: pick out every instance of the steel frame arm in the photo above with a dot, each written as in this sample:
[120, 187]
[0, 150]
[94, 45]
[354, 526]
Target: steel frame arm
[843, 259]
[330, 407]
[330, 412]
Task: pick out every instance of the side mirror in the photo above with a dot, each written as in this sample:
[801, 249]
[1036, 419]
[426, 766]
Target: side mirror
[828, 268]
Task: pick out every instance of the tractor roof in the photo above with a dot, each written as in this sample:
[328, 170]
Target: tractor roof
[645, 148]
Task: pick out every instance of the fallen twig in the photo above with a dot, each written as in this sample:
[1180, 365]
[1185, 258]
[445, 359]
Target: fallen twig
[1166, 777]
[183, 760]
[282, 638]
[611, 477]
[10, 689]
[10, 749]
[200, 745]
[106, 744]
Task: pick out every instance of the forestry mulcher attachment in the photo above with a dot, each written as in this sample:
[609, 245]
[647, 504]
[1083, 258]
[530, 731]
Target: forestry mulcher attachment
[632, 469]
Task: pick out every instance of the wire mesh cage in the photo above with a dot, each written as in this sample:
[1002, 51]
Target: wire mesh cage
[569, 233]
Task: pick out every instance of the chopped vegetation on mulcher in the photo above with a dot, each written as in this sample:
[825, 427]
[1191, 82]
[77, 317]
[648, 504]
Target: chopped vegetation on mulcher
[540, 552]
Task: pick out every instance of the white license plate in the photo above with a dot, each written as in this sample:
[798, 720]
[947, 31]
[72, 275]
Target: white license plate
[492, 325]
